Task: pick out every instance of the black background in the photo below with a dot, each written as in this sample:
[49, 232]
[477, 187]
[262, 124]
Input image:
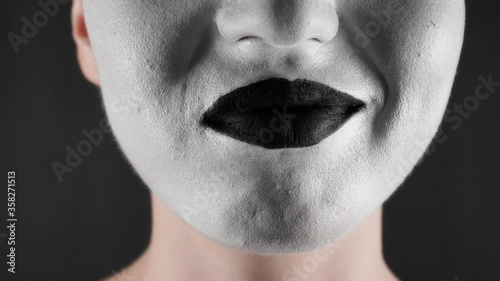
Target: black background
[441, 225]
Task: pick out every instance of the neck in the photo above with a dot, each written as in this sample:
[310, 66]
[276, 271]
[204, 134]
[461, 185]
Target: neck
[178, 252]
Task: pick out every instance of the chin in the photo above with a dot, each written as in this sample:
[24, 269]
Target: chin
[285, 228]
[280, 212]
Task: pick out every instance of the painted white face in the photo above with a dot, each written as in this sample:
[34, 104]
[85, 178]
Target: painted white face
[163, 64]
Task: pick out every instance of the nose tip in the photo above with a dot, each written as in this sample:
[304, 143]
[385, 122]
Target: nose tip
[279, 23]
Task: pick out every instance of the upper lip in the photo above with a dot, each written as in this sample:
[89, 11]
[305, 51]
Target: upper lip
[293, 114]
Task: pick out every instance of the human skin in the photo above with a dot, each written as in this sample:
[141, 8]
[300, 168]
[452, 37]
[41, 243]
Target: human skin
[162, 64]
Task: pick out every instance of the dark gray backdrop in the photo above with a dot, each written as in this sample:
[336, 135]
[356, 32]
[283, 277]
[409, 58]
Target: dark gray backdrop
[441, 225]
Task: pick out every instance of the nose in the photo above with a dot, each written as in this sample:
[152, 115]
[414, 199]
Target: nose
[279, 23]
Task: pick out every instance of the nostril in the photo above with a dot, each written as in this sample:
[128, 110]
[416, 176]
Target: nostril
[295, 22]
[248, 38]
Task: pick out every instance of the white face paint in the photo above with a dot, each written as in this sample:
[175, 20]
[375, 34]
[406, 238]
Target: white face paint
[163, 63]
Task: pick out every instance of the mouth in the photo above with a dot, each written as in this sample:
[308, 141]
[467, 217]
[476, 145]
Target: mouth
[278, 113]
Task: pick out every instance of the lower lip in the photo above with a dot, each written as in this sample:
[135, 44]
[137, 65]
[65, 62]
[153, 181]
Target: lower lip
[288, 127]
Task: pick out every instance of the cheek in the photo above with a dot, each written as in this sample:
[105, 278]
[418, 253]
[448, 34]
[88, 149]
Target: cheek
[416, 45]
[139, 43]
[138, 53]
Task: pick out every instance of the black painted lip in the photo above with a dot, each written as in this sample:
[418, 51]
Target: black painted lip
[278, 113]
